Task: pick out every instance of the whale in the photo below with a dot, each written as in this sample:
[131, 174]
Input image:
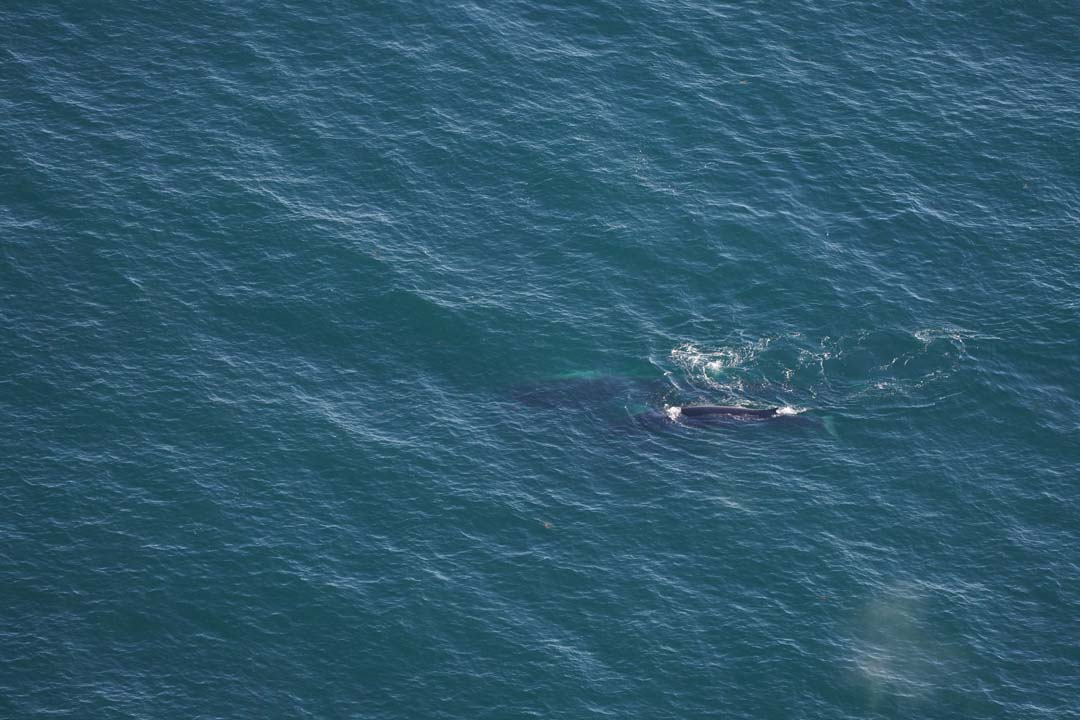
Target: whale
[706, 411]
[704, 416]
[634, 403]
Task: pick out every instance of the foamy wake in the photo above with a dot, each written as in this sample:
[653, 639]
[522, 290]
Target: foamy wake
[706, 366]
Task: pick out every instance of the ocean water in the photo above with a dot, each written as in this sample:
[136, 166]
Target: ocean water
[339, 344]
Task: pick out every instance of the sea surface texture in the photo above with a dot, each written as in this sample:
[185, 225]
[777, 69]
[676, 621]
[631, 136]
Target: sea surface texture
[342, 346]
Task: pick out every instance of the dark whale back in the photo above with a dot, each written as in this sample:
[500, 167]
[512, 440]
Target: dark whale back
[695, 411]
[707, 416]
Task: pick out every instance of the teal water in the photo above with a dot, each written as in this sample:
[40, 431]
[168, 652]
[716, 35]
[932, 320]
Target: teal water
[327, 331]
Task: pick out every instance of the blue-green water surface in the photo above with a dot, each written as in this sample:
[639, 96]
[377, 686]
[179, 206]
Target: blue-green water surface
[328, 331]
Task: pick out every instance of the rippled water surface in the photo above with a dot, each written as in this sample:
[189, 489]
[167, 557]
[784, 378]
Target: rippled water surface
[342, 345]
